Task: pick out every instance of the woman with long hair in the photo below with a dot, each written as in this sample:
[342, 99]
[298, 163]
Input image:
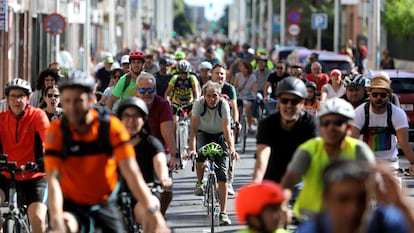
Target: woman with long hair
[46, 79]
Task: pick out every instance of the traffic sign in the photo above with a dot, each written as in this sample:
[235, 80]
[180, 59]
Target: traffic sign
[294, 16]
[294, 30]
[319, 21]
[54, 24]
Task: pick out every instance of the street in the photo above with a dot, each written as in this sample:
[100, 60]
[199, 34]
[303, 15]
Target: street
[186, 212]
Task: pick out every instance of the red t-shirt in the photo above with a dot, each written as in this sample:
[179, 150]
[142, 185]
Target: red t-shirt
[159, 112]
[323, 79]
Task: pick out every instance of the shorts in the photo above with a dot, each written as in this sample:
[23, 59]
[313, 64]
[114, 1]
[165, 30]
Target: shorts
[106, 217]
[29, 191]
[221, 161]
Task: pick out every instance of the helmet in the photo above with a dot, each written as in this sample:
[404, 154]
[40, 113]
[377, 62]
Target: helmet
[337, 106]
[18, 83]
[311, 84]
[211, 149]
[353, 80]
[133, 102]
[261, 58]
[137, 55]
[261, 52]
[79, 79]
[183, 66]
[179, 55]
[125, 59]
[248, 203]
[205, 65]
[293, 86]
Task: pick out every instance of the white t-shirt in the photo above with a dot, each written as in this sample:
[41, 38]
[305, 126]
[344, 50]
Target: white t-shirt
[332, 93]
[382, 143]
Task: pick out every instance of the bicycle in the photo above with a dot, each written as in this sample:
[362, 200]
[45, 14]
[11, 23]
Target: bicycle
[182, 132]
[243, 130]
[14, 215]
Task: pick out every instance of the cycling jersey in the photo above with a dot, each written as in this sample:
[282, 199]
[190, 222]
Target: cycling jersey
[22, 138]
[182, 92]
[309, 161]
[90, 164]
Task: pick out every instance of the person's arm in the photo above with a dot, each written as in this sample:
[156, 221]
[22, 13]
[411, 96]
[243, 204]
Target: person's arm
[154, 221]
[55, 202]
[324, 93]
[167, 94]
[195, 122]
[402, 137]
[160, 168]
[262, 159]
[265, 92]
[111, 101]
[196, 90]
[234, 110]
[254, 90]
[167, 132]
[229, 138]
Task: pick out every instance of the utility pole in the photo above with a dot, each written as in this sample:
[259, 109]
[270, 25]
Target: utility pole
[282, 22]
[269, 24]
[336, 26]
[86, 38]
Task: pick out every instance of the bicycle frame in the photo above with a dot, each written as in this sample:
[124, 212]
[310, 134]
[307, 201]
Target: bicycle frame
[211, 196]
[182, 132]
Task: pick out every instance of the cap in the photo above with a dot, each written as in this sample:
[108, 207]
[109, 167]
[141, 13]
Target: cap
[125, 59]
[336, 71]
[382, 74]
[108, 60]
[380, 82]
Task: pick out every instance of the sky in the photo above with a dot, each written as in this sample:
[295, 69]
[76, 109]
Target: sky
[213, 9]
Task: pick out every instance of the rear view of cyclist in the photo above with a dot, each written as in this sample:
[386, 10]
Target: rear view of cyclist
[208, 125]
[22, 132]
[264, 214]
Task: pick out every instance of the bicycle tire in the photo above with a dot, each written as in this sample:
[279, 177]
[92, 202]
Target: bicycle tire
[212, 203]
[11, 225]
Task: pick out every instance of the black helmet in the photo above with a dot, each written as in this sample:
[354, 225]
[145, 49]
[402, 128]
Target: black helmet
[311, 84]
[293, 86]
[79, 79]
[18, 83]
[133, 102]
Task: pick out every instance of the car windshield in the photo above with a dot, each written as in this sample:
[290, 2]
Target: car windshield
[340, 65]
[402, 85]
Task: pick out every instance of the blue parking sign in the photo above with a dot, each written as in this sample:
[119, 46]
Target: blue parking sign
[319, 21]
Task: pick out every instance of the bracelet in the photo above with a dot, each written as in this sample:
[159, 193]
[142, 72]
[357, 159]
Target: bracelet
[153, 209]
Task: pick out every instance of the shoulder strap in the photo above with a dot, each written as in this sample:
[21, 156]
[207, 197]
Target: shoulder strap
[389, 116]
[127, 81]
[204, 108]
[218, 106]
[364, 129]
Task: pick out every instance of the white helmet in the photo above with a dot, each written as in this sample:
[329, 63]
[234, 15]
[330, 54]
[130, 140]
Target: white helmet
[337, 106]
[18, 83]
[205, 65]
[125, 59]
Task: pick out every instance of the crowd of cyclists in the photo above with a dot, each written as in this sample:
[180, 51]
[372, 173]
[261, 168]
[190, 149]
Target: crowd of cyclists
[93, 135]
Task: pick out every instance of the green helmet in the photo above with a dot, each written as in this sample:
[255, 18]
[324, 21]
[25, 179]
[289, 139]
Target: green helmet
[179, 55]
[212, 148]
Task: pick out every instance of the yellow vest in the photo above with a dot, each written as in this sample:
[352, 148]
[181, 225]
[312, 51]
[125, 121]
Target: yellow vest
[310, 198]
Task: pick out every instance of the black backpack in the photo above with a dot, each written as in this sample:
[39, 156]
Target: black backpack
[364, 130]
[80, 148]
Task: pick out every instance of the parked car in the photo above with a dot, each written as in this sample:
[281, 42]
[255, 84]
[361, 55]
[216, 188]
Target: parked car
[402, 84]
[331, 60]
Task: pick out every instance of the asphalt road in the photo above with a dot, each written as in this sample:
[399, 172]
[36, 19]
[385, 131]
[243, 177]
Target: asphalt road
[187, 214]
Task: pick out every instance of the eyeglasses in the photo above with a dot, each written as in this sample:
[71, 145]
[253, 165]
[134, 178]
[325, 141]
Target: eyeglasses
[53, 95]
[279, 68]
[292, 101]
[150, 90]
[337, 123]
[381, 94]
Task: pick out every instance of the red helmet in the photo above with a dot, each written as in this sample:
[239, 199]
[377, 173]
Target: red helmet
[137, 55]
[252, 198]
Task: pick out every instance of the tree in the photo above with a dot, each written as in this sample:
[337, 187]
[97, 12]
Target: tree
[398, 18]
[182, 24]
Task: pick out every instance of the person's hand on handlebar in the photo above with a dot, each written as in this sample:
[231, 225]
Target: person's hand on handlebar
[234, 155]
[192, 154]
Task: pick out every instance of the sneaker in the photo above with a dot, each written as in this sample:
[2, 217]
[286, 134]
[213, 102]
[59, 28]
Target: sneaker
[198, 191]
[230, 190]
[224, 219]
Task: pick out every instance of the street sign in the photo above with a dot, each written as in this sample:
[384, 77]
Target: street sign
[54, 24]
[3, 15]
[294, 30]
[319, 21]
[294, 16]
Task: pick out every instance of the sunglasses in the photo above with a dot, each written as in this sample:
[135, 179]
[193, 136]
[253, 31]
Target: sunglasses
[145, 90]
[292, 101]
[381, 94]
[337, 123]
[53, 95]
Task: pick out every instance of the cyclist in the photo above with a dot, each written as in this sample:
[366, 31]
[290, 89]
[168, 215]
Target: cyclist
[261, 73]
[126, 85]
[183, 87]
[81, 168]
[161, 124]
[281, 132]
[204, 74]
[52, 99]
[311, 157]
[348, 189]
[272, 82]
[264, 214]
[355, 89]
[211, 127]
[22, 132]
[151, 158]
[227, 91]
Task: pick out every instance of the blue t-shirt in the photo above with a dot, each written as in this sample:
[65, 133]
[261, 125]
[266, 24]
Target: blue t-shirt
[384, 219]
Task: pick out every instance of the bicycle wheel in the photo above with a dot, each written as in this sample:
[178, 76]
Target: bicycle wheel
[12, 226]
[212, 201]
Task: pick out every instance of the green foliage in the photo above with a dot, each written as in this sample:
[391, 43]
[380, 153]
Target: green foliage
[398, 18]
[182, 24]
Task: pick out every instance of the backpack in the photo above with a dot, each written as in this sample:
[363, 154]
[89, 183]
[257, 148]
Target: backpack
[364, 130]
[218, 106]
[80, 148]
